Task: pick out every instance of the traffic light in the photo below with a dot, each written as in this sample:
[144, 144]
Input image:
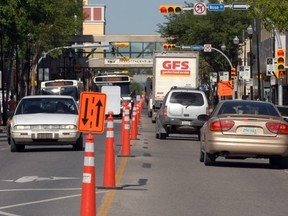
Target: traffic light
[172, 9]
[233, 73]
[121, 44]
[280, 65]
[168, 46]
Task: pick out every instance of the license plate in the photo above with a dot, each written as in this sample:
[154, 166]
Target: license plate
[44, 136]
[249, 130]
[186, 123]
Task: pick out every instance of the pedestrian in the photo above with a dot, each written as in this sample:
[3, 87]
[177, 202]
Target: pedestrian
[11, 104]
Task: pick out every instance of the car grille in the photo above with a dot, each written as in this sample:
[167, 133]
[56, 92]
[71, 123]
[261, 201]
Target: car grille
[44, 136]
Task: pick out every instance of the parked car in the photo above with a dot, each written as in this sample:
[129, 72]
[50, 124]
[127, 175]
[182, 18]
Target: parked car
[179, 111]
[284, 111]
[45, 120]
[244, 129]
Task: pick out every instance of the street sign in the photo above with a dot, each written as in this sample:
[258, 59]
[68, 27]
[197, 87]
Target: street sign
[240, 6]
[216, 7]
[197, 47]
[199, 8]
[223, 75]
[243, 72]
[213, 77]
[269, 66]
[207, 47]
[92, 112]
[185, 47]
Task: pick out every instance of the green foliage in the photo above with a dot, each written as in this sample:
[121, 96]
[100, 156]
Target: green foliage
[45, 24]
[273, 13]
[137, 88]
[220, 27]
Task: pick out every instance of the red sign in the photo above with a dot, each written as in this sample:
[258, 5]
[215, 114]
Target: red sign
[175, 68]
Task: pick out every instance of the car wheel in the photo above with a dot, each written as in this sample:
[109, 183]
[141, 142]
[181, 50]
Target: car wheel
[278, 162]
[149, 114]
[8, 135]
[15, 147]
[162, 136]
[79, 144]
[198, 135]
[201, 155]
[209, 159]
[157, 136]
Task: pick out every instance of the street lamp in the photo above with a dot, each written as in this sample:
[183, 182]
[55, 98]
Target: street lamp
[250, 35]
[236, 43]
[223, 47]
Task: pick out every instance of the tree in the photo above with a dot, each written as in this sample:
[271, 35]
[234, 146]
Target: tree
[218, 27]
[273, 13]
[38, 26]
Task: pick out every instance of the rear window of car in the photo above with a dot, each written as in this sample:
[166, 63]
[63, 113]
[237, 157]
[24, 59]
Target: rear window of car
[251, 108]
[187, 98]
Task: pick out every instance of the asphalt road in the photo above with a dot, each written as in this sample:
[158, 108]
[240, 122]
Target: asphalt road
[161, 177]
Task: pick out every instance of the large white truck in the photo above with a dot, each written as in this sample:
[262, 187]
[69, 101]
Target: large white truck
[173, 68]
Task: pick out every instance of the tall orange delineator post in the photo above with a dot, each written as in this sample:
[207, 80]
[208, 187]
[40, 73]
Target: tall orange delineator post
[134, 130]
[122, 124]
[138, 113]
[88, 198]
[126, 133]
[109, 163]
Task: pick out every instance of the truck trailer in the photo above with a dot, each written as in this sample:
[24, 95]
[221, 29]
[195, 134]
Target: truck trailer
[173, 68]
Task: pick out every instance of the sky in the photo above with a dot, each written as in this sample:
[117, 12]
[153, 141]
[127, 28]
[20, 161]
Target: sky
[138, 17]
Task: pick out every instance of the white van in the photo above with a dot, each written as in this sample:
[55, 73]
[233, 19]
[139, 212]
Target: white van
[179, 111]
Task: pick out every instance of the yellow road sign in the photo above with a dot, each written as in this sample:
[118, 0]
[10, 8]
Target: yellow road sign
[92, 112]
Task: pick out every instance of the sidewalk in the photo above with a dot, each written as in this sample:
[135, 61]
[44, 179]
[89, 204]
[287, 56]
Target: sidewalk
[3, 129]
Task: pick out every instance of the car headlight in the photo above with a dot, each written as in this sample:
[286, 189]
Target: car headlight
[68, 127]
[22, 127]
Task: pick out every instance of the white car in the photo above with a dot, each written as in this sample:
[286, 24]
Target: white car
[45, 120]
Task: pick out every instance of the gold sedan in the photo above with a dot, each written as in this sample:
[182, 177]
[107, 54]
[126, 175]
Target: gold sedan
[240, 129]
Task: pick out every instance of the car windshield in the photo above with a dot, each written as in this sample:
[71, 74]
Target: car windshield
[248, 108]
[187, 98]
[47, 105]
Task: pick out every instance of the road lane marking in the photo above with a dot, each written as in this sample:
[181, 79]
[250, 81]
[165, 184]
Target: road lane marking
[7, 214]
[45, 200]
[40, 189]
[25, 179]
[110, 194]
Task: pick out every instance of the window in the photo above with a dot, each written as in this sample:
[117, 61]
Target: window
[187, 98]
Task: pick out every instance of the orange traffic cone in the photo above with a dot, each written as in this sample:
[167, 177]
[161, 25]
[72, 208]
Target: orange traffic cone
[88, 198]
[109, 163]
[126, 134]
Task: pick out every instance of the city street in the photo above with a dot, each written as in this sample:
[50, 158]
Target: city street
[161, 177]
